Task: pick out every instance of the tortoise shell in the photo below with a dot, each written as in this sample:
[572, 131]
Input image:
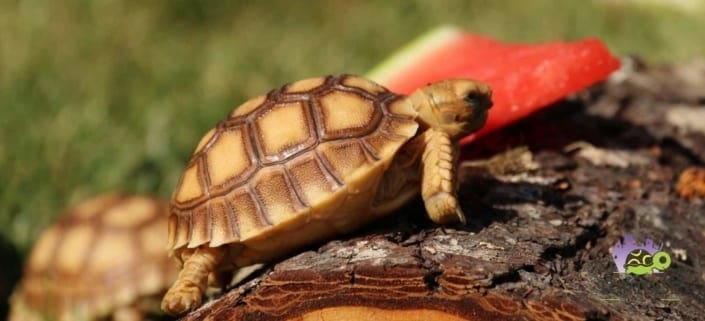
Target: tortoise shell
[103, 254]
[639, 257]
[281, 158]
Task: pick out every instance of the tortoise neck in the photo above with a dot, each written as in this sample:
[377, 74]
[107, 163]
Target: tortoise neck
[424, 112]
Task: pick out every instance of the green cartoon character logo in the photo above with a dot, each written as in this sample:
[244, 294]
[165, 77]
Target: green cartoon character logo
[640, 258]
[641, 262]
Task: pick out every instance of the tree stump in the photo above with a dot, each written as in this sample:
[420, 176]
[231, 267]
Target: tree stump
[540, 224]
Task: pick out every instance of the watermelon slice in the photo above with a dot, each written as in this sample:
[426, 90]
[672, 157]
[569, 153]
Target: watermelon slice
[524, 77]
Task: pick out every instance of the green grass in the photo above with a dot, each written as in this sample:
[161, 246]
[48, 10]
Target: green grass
[106, 95]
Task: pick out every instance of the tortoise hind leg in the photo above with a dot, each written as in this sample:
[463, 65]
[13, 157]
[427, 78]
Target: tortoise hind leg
[439, 181]
[218, 282]
[188, 289]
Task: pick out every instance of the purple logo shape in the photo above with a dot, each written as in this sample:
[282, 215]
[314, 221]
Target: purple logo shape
[621, 250]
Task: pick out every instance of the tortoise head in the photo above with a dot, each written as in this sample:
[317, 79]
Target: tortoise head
[661, 260]
[455, 106]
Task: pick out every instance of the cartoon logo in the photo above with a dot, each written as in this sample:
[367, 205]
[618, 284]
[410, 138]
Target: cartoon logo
[640, 258]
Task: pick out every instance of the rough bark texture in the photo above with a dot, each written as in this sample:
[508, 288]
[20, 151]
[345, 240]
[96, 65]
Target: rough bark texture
[537, 243]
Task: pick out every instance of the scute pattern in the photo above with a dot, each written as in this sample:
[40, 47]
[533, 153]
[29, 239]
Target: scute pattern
[283, 130]
[337, 122]
[273, 188]
[229, 156]
[311, 179]
[222, 215]
[192, 185]
[73, 249]
[305, 85]
[305, 141]
[248, 212]
[345, 156]
[97, 257]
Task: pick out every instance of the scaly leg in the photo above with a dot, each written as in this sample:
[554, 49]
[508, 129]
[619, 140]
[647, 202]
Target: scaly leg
[188, 289]
[439, 181]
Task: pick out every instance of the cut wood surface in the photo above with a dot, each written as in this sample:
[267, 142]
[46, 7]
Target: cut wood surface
[540, 224]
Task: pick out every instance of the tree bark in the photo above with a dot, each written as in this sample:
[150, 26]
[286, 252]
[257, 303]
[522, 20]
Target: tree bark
[537, 243]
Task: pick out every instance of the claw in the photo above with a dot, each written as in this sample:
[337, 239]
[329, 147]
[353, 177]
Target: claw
[181, 299]
[185, 294]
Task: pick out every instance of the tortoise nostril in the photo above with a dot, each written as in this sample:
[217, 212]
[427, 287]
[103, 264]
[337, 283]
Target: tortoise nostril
[478, 100]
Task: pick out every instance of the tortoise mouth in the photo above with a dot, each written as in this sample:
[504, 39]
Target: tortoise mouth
[477, 122]
[483, 109]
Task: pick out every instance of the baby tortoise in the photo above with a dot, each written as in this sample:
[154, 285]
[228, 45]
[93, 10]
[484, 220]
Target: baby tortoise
[103, 258]
[313, 159]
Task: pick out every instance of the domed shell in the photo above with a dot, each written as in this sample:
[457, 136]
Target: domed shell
[280, 157]
[639, 257]
[103, 254]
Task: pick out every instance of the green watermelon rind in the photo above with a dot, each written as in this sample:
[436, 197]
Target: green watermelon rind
[422, 46]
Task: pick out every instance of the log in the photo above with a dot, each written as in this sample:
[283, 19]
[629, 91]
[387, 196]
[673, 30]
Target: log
[541, 223]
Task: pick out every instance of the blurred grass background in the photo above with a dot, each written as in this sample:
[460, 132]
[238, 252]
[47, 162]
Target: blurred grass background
[103, 95]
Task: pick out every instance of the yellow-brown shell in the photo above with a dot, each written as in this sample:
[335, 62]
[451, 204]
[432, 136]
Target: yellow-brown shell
[281, 159]
[105, 253]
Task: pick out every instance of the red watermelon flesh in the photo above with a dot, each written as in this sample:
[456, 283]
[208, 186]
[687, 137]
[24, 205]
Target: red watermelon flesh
[524, 77]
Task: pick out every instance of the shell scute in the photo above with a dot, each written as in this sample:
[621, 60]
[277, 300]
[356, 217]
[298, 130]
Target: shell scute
[304, 85]
[399, 127]
[344, 157]
[190, 187]
[224, 227]
[249, 214]
[44, 249]
[230, 156]
[179, 230]
[364, 84]
[310, 177]
[400, 108]
[71, 254]
[278, 198]
[200, 227]
[284, 130]
[347, 114]
[383, 145]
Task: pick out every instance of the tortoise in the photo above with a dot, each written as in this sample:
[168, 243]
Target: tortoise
[640, 262]
[310, 160]
[103, 258]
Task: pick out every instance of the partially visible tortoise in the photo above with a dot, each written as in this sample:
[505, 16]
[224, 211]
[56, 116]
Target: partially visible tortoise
[103, 258]
[313, 159]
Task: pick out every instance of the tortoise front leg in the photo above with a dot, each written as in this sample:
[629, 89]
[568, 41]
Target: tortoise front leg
[188, 289]
[439, 183]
